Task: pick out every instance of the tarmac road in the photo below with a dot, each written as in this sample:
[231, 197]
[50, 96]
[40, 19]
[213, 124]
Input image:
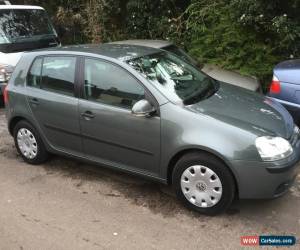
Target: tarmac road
[65, 204]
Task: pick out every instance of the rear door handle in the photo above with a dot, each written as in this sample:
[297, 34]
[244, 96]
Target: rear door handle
[88, 115]
[34, 101]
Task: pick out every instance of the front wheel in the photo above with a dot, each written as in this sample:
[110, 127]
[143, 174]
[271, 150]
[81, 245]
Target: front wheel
[203, 183]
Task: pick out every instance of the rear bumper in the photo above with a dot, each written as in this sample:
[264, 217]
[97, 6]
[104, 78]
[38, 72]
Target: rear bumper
[266, 180]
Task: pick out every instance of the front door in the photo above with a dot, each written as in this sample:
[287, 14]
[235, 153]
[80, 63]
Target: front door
[51, 96]
[111, 133]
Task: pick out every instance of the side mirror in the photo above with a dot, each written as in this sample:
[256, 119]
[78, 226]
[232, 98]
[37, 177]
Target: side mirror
[143, 108]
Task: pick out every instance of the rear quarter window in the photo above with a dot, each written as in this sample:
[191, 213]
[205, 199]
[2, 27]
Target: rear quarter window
[34, 75]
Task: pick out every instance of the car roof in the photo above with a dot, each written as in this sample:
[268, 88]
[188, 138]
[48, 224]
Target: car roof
[158, 44]
[20, 7]
[121, 52]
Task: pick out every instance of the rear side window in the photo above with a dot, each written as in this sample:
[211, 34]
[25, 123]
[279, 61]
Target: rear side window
[58, 75]
[55, 74]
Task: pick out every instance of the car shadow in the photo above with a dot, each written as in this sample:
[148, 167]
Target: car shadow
[158, 198]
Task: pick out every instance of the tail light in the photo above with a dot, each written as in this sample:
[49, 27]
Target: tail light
[5, 95]
[275, 87]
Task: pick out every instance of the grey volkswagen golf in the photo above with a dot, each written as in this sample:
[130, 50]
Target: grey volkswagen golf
[146, 111]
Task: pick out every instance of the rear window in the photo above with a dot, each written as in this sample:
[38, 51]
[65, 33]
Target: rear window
[18, 24]
[55, 74]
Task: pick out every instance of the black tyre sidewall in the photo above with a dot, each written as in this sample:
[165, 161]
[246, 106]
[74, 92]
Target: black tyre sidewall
[228, 184]
[42, 154]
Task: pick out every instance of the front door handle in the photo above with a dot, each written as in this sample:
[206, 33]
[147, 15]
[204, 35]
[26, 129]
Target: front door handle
[88, 115]
[34, 101]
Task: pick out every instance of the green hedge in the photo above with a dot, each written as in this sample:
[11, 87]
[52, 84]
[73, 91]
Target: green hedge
[247, 36]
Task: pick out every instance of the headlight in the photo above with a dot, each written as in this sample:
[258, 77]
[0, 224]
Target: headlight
[5, 73]
[273, 148]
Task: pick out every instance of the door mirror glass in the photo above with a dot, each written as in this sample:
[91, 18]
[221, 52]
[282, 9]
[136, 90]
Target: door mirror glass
[143, 108]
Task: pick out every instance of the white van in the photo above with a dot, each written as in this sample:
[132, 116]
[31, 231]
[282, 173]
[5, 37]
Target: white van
[22, 28]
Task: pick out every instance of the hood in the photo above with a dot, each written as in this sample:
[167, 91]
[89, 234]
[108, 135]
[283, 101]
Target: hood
[248, 110]
[288, 71]
[10, 58]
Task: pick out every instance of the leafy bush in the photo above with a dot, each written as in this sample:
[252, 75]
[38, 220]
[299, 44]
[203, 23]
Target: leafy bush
[248, 36]
[151, 18]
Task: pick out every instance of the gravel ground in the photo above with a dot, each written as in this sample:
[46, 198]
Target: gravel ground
[66, 204]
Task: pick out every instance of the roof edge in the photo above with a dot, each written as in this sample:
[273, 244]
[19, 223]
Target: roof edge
[21, 7]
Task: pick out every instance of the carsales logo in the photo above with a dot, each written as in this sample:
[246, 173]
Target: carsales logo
[250, 240]
[268, 240]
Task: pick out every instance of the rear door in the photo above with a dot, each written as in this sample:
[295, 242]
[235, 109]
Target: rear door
[111, 133]
[51, 94]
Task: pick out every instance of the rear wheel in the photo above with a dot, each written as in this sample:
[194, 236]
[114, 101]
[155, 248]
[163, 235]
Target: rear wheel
[203, 183]
[29, 143]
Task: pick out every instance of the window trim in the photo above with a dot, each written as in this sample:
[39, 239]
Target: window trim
[148, 95]
[76, 92]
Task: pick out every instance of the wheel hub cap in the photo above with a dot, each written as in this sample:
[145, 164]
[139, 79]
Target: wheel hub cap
[27, 143]
[201, 186]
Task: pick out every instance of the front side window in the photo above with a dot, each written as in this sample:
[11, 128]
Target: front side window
[109, 84]
[180, 81]
[54, 73]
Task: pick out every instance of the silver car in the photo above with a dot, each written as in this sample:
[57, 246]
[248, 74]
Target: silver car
[148, 112]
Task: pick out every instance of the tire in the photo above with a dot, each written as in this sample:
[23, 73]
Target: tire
[203, 183]
[29, 143]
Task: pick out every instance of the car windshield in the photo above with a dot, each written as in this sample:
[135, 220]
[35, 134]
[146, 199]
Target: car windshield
[183, 55]
[180, 81]
[18, 25]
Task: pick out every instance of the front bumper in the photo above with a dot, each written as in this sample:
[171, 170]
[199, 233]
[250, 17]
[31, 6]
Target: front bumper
[265, 180]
